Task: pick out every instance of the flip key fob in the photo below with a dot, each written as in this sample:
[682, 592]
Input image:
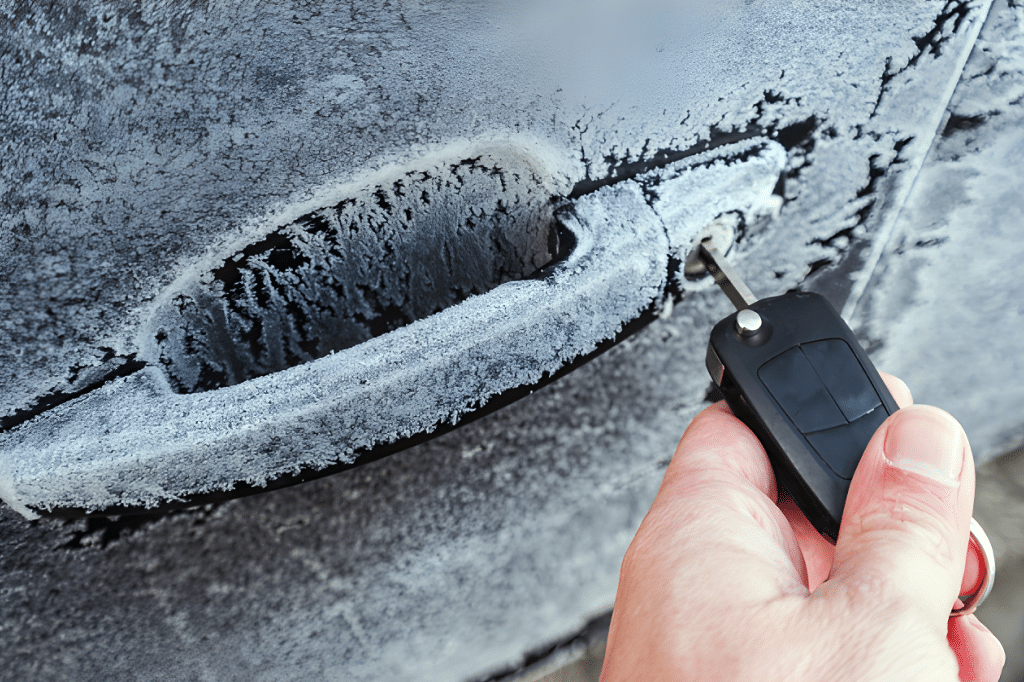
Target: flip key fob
[791, 369]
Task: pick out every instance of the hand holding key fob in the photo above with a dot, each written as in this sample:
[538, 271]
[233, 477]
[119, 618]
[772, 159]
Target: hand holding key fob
[792, 370]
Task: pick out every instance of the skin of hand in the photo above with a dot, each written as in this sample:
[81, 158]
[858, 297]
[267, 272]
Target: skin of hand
[724, 581]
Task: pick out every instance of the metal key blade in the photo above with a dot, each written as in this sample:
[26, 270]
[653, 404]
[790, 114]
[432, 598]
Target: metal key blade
[726, 278]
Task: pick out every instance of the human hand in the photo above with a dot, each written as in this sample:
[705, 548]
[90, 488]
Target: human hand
[721, 583]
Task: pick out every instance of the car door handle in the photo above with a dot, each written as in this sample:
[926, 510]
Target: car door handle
[132, 445]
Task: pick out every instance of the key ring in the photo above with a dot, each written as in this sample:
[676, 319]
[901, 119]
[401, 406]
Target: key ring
[984, 547]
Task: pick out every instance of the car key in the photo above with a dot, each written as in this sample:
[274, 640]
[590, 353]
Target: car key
[792, 370]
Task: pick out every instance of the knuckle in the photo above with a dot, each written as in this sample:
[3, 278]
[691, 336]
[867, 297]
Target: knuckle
[909, 525]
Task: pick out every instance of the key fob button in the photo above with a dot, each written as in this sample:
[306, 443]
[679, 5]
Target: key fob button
[834, 362]
[796, 387]
[842, 447]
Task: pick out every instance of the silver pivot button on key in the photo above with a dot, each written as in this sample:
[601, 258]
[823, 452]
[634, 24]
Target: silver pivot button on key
[748, 322]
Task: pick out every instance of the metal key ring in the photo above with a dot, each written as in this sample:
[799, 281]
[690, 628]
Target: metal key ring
[971, 601]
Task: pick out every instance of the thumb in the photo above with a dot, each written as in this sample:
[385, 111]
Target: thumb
[903, 539]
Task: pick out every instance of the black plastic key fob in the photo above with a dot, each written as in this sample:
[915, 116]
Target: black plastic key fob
[796, 375]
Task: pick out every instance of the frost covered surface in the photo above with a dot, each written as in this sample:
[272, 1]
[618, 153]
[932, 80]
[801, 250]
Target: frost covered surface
[944, 309]
[178, 137]
[210, 216]
[131, 443]
[143, 145]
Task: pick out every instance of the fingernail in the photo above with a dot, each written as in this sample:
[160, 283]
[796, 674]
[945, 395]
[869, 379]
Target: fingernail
[927, 441]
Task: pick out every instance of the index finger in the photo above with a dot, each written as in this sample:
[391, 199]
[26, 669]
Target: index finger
[899, 391]
[720, 490]
[717, 445]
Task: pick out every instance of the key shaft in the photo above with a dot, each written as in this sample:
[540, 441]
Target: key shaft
[726, 278]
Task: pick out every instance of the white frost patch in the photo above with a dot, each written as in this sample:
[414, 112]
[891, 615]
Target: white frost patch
[716, 183]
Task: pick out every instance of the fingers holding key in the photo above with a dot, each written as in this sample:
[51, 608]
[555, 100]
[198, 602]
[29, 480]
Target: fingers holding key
[907, 515]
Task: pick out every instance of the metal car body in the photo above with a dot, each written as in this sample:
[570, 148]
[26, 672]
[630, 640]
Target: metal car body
[243, 247]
